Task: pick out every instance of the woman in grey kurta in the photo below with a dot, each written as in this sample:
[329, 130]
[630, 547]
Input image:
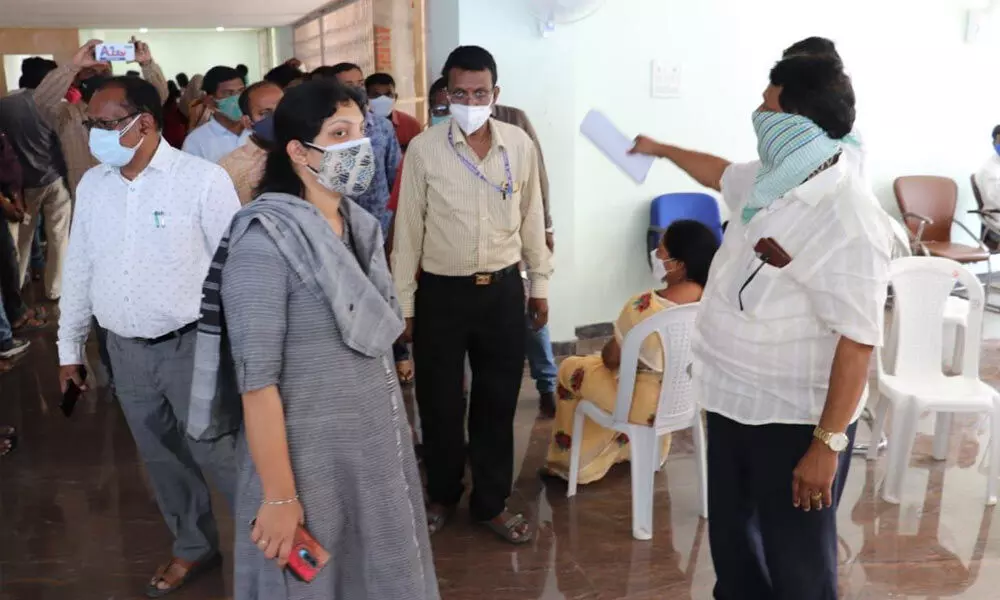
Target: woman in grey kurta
[311, 315]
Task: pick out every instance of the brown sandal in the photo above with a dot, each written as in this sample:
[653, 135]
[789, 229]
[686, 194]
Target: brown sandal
[509, 529]
[33, 319]
[404, 370]
[177, 573]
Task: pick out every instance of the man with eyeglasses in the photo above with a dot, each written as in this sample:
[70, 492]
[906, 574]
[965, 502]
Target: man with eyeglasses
[86, 73]
[147, 222]
[470, 210]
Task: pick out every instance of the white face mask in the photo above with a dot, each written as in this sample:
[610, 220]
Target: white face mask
[471, 118]
[659, 269]
[382, 106]
[346, 168]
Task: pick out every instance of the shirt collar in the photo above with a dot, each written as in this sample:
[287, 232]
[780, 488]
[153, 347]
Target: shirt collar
[218, 128]
[163, 159]
[822, 185]
[495, 137]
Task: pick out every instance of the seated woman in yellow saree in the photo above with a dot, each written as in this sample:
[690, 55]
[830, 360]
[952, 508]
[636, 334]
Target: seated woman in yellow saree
[681, 262]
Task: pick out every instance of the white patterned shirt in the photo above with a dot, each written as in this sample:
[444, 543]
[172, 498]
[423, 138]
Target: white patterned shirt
[212, 141]
[139, 250]
[770, 361]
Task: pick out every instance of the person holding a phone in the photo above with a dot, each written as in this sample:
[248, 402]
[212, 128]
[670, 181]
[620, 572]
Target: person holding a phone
[87, 73]
[309, 312]
[146, 224]
[792, 310]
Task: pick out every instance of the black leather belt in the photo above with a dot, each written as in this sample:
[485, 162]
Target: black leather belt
[481, 279]
[173, 335]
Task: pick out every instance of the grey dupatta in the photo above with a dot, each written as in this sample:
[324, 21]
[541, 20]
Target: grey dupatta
[356, 285]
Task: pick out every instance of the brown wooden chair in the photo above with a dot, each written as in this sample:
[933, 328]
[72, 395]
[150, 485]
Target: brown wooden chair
[928, 204]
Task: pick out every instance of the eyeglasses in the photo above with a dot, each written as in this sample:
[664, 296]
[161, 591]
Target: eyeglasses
[463, 97]
[107, 125]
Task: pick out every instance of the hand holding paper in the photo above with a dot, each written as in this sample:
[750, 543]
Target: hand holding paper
[616, 145]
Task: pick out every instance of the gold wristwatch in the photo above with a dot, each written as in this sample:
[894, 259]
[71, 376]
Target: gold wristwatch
[834, 441]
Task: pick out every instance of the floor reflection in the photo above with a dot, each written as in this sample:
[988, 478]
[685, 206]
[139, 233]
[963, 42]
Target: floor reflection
[79, 522]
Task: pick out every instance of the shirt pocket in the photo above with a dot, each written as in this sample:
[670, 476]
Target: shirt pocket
[505, 211]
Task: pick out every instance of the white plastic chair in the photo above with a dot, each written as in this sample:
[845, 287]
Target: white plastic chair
[922, 286]
[675, 411]
[956, 312]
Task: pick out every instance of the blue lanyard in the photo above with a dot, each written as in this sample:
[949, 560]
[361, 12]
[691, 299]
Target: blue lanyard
[504, 189]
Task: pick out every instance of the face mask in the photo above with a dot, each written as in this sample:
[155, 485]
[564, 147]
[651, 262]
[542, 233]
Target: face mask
[107, 148]
[471, 118]
[346, 168]
[997, 148]
[382, 106]
[230, 107]
[264, 129]
[659, 269]
[791, 148]
[438, 119]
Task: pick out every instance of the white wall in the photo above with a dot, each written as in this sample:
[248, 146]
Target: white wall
[189, 51]
[925, 106]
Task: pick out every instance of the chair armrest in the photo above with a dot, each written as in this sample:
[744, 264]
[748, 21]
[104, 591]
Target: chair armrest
[979, 242]
[921, 218]
[924, 221]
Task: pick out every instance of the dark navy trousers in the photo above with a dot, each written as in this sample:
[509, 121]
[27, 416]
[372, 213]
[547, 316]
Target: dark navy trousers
[762, 546]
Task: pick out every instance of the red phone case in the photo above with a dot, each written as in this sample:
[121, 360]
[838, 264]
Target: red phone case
[307, 557]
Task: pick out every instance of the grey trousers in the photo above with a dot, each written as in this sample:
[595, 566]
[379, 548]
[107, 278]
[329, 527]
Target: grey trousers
[153, 383]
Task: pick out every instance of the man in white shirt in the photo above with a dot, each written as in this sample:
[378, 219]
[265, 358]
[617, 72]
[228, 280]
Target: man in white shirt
[788, 321]
[988, 182]
[224, 132]
[147, 221]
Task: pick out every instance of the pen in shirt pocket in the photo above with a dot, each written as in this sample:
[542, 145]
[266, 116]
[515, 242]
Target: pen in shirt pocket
[159, 219]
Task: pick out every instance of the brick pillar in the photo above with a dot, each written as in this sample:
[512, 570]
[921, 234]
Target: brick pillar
[383, 49]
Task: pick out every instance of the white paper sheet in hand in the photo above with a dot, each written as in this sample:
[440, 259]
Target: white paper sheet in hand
[615, 145]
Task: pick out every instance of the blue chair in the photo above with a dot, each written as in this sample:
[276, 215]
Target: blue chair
[683, 205]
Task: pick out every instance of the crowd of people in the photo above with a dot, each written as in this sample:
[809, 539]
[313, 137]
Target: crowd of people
[258, 260]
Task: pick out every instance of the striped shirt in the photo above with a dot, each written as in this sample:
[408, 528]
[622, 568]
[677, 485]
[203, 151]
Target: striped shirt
[452, 223]
[770, 361]
[67, 119]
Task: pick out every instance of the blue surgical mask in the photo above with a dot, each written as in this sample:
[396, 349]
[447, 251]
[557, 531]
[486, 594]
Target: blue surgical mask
[264, 129]
[997, 148]
[230, 107]
[435, 119]
[106, 145]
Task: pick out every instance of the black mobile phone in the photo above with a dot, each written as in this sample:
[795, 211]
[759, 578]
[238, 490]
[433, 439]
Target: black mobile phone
[72, 394]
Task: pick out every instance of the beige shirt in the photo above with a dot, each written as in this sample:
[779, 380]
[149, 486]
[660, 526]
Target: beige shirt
[452, 223]
[245, 166]
[67, 119]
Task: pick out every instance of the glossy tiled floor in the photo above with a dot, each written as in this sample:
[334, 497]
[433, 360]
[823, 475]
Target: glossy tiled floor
[77, 521]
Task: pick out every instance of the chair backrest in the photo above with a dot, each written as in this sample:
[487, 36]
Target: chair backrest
[675, 327]
[929, 196]
[975, 191]
[921, 286]
[696, 206]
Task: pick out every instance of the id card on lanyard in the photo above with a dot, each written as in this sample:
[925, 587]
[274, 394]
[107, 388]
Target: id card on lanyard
[506, 188]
